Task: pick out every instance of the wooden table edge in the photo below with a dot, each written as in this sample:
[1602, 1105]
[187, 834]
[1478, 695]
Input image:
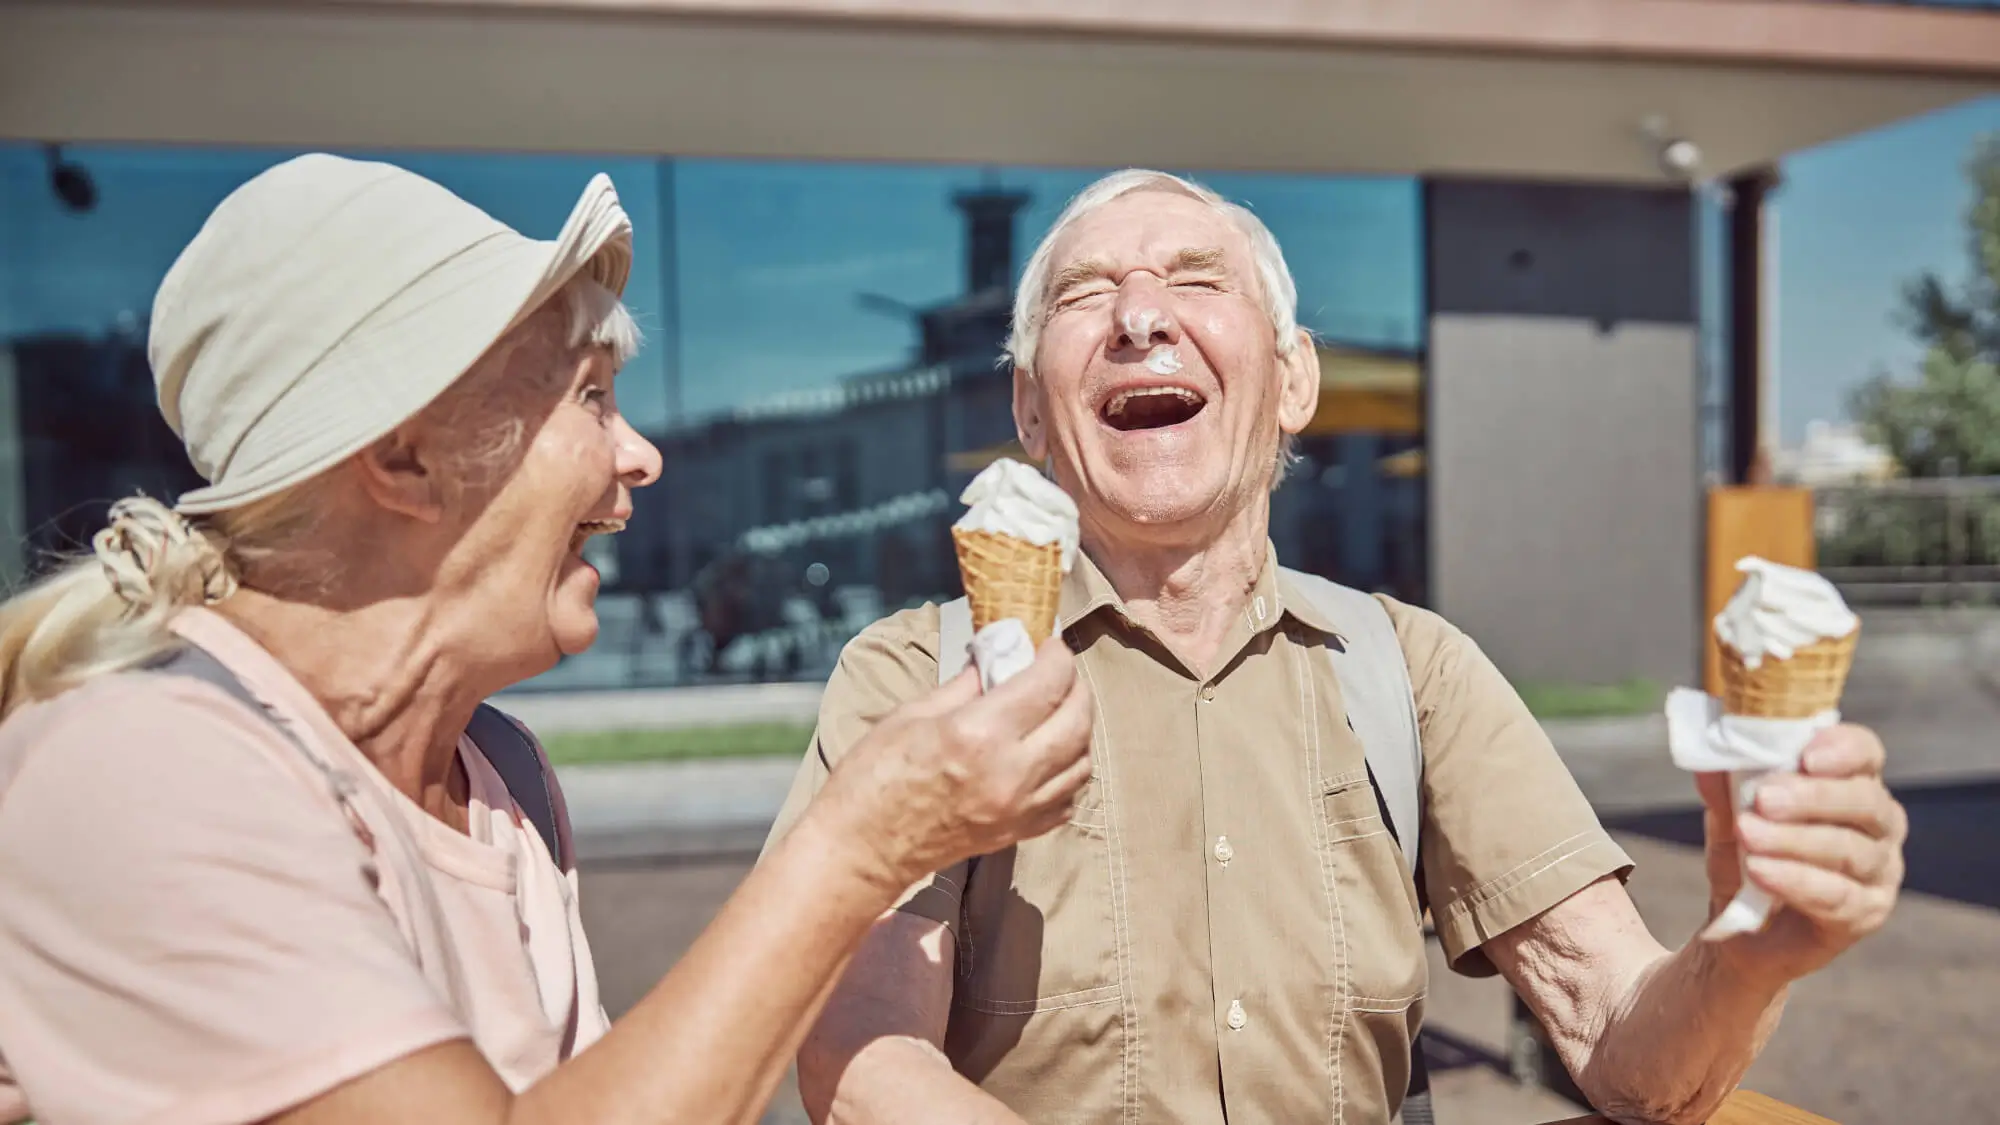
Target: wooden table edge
[1744, 1107]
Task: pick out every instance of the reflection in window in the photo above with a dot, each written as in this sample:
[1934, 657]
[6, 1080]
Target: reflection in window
[821, 388]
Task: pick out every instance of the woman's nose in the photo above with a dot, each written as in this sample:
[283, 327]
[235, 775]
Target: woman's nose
[639, 460]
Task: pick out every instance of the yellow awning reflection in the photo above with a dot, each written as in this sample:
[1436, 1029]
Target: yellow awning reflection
[1408, 463]
[1368, 391]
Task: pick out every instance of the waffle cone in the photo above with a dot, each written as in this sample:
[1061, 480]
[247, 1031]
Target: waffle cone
[1008, 577]
[1805, 685]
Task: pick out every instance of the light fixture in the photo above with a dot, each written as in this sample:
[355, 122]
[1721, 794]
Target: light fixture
[1678, 157]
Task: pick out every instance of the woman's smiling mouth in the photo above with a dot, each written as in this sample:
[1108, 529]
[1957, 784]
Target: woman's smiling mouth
[588, 528]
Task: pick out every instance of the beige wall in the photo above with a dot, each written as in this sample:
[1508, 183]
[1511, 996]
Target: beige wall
[1565, 494]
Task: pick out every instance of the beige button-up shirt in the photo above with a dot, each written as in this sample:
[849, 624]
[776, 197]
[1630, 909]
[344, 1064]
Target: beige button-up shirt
[1226, 928]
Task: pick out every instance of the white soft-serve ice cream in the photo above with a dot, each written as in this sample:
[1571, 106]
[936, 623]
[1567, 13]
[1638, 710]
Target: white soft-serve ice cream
[1768, 714]
[1779, 610]
[1011, 499]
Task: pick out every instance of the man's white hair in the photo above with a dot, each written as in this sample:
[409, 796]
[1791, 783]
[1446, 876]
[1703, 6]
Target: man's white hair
[1276, 290]
[1275, 287]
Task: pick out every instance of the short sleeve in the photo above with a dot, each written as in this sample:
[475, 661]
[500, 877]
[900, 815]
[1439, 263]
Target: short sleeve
[189, 932]
[1507, 831]
[892, 662]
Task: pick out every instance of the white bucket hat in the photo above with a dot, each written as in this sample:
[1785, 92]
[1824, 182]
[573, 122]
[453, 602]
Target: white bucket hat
[327, 301]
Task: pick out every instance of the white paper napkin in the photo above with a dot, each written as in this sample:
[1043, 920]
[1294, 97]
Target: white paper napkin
[1001, 651]
[1703, 739]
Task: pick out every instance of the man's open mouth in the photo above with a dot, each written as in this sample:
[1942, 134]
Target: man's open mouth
[588, 528]
[1151, 408]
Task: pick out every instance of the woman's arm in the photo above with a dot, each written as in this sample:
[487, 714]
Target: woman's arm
[954, 775]
[712, 1040]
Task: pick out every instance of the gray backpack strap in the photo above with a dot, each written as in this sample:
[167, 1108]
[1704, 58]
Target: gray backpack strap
[1375, 685]
[503, 741]
[954, 638]
[198, 663]
[512, 753]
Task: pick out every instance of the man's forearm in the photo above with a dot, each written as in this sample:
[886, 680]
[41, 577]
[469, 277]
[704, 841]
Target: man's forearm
[1678, 1040]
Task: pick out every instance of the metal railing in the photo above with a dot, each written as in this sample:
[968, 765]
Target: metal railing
[1911, 542]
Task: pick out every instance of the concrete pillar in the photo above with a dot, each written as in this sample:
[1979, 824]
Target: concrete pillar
[1563, 399]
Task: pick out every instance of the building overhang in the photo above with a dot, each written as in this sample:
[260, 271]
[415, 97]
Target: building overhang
[1518, 88]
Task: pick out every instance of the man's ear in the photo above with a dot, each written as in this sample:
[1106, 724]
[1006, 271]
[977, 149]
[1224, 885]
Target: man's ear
[1298, 394]
[401, 473]
[1030, 416]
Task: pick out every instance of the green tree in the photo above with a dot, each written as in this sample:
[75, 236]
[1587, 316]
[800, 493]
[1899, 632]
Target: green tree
[1946, 420]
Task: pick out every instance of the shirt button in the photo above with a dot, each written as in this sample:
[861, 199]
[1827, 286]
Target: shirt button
[1223, 851]
[1208, 693]
[1236, 1017]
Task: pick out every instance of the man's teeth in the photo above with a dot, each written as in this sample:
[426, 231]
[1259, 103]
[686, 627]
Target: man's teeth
[1124, 399]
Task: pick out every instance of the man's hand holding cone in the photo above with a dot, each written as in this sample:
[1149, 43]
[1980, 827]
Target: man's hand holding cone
[1804, 840]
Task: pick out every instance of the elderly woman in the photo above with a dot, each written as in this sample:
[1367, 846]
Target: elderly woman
[254, 866]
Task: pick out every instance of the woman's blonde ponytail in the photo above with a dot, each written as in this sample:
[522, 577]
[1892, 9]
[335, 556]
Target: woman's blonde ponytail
[109, 611]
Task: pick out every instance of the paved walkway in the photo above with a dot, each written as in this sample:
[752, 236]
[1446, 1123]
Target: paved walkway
[676, 809]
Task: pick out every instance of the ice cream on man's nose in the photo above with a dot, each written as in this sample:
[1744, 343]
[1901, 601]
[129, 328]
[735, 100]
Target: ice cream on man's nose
[1015, 542]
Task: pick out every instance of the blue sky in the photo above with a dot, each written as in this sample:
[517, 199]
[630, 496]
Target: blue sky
[1856, 219]
[769, 259]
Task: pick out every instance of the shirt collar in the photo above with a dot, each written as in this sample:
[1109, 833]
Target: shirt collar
[1086, 590]
[1300, 606]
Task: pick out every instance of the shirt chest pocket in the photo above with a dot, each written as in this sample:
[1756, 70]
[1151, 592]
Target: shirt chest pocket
[1037, 931]
[1378, 902]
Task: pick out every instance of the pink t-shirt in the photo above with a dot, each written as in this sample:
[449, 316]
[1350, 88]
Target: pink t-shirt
[196, 928]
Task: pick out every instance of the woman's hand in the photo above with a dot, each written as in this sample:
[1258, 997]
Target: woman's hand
[960, 774]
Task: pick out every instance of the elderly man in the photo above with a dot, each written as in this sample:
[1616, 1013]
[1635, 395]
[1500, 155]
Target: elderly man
[1226, 929]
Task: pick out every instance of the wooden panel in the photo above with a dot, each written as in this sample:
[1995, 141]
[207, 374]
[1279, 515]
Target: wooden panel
[1773, 522]
[1742, 1108]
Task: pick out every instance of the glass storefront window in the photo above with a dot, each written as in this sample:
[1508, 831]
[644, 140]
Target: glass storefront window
[819, 374]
